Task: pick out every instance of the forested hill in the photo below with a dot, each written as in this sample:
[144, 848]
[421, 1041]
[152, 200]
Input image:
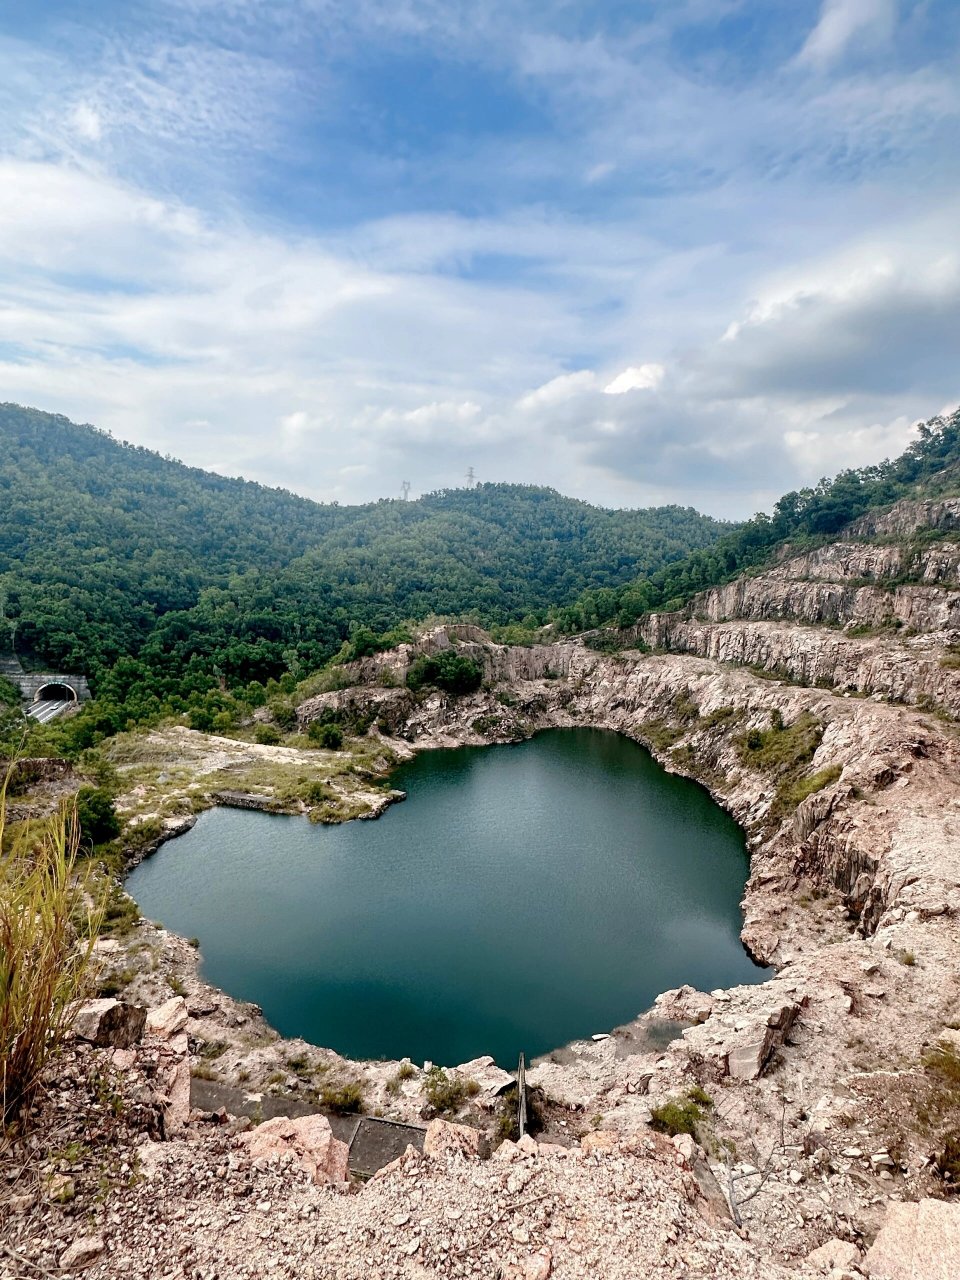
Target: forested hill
[930, 467]
[108, 551]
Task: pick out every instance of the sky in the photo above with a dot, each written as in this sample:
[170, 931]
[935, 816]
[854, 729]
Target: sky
[694, 251]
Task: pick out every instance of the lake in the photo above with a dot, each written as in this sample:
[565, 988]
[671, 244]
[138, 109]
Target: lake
[522, 896]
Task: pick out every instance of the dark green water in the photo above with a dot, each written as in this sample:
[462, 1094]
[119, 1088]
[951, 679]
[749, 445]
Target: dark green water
[521, 897]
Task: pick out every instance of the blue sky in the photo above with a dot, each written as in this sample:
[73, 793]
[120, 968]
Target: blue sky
[698, 251]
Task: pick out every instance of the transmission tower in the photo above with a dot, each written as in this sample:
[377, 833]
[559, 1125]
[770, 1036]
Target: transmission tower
[471, 477]
[404, 489]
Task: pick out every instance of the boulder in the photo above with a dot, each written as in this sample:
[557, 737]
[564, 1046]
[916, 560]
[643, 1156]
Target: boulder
[745, 1061]
[538, 1266]
[919, 1240]
[167, 1018]
[703, 1189]
[176, 1104]
[60, 1188]
[309, 1139]
[445, 1139]
[747, 1056]
[835, 1255]
[109, 1023]
[82, 1253]
[407, 1163]
[491, 1078]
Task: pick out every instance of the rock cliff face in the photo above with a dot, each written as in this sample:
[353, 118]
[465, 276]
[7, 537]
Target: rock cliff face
[848, 583]
[907, 517]
[880, 618]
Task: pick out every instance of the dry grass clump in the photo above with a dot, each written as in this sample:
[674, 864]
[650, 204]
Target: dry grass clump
[445, 1094]
[49, 922]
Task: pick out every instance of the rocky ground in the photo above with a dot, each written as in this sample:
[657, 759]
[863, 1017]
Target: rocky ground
[826, 1100]
[211, 1202]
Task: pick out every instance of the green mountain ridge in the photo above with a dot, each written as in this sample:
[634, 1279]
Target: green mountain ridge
[111, 552]
[178, 590]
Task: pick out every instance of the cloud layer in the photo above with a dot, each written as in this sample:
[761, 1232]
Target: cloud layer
[696, 256]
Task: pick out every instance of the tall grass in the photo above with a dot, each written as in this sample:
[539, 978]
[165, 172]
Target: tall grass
[49, 921]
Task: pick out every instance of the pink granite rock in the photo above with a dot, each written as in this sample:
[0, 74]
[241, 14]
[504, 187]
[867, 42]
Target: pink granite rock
[918, 1241]
[835, 1255]
[167, 1018]
[309, 1139]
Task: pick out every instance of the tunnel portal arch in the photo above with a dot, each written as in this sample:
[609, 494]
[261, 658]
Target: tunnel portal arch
[56, 691]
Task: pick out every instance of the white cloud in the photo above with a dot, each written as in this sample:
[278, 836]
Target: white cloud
[784, 246]
[597, 172]
[557, 390]
[85, 121]
[843, 23]
[195, 336]
[646, 377]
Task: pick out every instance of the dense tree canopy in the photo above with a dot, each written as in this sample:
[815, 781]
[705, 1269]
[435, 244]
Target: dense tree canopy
[164, 583]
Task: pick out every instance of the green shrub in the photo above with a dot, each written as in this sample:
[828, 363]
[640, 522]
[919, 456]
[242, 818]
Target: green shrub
[507, 1113]
[283, 714]
[947, 1160]
[696, 1093]
[201, 719]
[720, 716]
[447, 1095]
[363, 643]
[119, 912]
[791, 794]
[313, 793]
[115, 983]
[326, 734]
[267, 735]
[676, 1115]
[781, 748]
[96, 817]
[659, 734]
[613, 640]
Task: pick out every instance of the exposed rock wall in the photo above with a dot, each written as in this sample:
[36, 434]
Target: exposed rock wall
[909, 672]
[905, 518]
[870, 585]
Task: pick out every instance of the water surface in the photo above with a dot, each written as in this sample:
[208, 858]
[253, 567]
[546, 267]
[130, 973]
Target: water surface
[521, 897]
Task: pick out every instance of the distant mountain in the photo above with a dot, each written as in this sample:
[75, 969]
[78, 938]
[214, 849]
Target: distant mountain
[110, 551]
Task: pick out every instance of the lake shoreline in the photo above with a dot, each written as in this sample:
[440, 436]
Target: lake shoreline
[481, 832]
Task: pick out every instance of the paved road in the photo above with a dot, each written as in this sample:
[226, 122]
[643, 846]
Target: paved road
[44, 711]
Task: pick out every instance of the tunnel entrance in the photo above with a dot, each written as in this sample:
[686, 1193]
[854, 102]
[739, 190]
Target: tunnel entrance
[56, 691]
